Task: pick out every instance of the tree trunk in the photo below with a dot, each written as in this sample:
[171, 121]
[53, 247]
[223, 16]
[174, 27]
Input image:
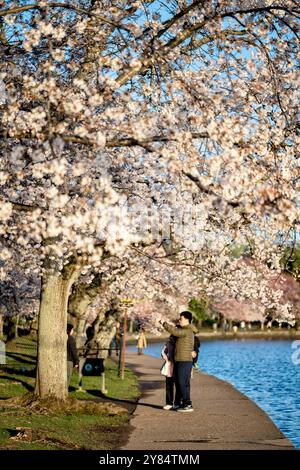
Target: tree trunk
[51, 377]
[83, 295]
[104, 337]
[80, 332]
[104, 331]
[11, 330]
[1, 325]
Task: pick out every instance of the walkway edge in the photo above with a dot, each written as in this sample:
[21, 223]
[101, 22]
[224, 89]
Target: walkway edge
[224, 418]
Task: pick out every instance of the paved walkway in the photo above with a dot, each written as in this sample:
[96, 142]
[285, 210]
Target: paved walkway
[224, 419]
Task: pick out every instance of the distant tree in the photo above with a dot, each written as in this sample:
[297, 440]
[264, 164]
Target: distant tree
[200, 310]
[291, 261]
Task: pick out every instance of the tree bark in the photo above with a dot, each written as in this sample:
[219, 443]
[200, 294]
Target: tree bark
[51, 380]
[104, 331]
[83, 295]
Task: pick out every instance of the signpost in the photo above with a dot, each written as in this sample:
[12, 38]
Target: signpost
[124, 344]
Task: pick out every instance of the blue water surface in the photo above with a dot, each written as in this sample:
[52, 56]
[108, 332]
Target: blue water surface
[261, 369]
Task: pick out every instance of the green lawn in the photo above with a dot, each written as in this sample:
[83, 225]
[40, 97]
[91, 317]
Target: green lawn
[74, 430]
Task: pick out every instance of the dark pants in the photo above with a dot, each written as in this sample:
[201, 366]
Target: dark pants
[182, 372]
[170, 382]
[70, 366]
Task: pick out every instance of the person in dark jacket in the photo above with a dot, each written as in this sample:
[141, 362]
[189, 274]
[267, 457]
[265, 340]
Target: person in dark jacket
[72, 354]
[167, 370]
[184, 348]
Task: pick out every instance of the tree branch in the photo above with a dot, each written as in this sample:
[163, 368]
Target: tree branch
[223, 34]
[260, 10]
[113, 143]
[66, 6]
[146, 61]
[209, 191]
[18, 206]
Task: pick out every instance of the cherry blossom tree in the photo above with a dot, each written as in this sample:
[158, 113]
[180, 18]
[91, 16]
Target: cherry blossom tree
[237, 311]
[275, 295]
[139, 122]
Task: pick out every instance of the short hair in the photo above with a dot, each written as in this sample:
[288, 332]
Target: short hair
[69, 328]
[187, 315]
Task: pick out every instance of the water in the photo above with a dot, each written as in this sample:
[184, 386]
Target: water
[261, 369]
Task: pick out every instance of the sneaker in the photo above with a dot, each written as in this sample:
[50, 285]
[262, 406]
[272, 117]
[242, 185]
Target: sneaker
[176, 407]
[167, 407]
[186, 409]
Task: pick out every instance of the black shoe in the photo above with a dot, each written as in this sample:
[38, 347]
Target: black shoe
[186, 409]
[176, 407]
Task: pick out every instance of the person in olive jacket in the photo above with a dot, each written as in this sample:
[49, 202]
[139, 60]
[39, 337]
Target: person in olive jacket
[72, 354]
[184, 348]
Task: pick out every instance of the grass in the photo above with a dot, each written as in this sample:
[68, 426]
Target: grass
[116, 388]
[24, 427]
[76, 431]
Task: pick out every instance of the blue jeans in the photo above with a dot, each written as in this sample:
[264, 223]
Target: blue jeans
[182, 372]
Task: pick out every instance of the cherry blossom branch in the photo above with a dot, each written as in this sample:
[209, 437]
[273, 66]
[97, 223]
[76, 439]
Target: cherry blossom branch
[209, 191]
[270, 65]
[66, 6]
[195, 44]
[261, 10]
[147, 60]
[169, 23]
[18, 206]
[291, 28]
[153, 258]
[125, 142]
